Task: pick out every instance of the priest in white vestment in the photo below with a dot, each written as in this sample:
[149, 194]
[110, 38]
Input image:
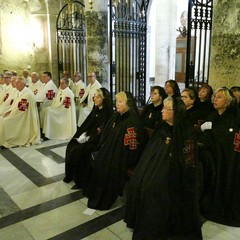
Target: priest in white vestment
[60, 117]
[46, 94]
[36, 83]
[13, 94]
[20, 125]
[86, 108]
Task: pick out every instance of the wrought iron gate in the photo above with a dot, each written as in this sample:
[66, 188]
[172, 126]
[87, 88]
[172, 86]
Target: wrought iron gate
[71, 39]
[128, 39]
[199, 41]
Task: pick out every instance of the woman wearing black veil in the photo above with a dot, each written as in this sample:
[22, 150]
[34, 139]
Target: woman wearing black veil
[162, 200]
[86, 140]
[120, 148]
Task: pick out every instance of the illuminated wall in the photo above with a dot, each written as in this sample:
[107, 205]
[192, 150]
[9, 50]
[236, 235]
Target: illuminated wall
[28, 35]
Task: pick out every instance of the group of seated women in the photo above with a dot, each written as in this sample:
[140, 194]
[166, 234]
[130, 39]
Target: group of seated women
[193, 132]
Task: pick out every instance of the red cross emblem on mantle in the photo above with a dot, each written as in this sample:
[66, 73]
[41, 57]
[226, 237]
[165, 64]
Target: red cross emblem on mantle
[67, 102]
[81, 93]
[130, 138]
[35, 91]
[6, 97]
[237, 142]
[50, 94]
[23, 105]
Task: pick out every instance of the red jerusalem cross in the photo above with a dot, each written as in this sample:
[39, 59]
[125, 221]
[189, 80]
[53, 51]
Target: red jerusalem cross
[6, 97]
[50, 94]
[67, 102]
[130, 138]
[23, 105]
[81, 93]
[35, 91]
[237, 142]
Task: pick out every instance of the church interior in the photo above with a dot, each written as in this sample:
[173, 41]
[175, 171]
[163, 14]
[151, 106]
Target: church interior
[35, 202]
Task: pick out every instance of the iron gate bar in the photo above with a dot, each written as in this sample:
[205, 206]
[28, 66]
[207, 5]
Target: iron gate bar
[71, 38]
[200, 23]
[127, 53]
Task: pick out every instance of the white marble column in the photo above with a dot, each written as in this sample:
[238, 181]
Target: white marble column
[166, 14]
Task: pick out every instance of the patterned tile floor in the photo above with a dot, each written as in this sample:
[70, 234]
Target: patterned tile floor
[36, 204]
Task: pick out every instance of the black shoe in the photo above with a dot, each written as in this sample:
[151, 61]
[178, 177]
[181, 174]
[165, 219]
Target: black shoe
[67, 180]
[74, 187]
[2, 147]
[45, 138]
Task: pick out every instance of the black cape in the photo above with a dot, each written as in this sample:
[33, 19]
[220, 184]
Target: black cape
[121, 145]
[151, 115]
[221, 202]
[162, 200]
[77, 165]
[205, 108]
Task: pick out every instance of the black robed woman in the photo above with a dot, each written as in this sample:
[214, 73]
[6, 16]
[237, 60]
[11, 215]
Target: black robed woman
[205, 105]
[121, 145]
[86, 140]
[221, 201]
[172, 88]
[162, 201]
[151, 114]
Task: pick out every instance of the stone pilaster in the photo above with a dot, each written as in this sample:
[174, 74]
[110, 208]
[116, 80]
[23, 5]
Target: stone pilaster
[97, 40]
[225, 49]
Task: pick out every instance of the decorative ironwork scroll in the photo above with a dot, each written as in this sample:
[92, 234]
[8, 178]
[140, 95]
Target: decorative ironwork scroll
[71, 39]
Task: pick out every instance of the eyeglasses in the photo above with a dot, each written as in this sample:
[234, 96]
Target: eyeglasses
[90, 76]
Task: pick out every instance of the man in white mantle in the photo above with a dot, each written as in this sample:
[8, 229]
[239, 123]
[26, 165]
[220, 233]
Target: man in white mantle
[86, 107]
[78, 90]
[60, 117]
[46, 94]
[13, 94]
[20, 125]
[36, 84]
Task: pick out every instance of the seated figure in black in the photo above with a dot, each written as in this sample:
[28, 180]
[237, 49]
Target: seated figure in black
[151, 114]
[172, 88]
[193, 114]
[221, 139]
[205, 105]
[86, 140]
[162, 201]
[121, 145]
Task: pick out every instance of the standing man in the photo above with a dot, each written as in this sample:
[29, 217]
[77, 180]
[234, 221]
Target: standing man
[46, 94]
[78, 90]
[86, 101]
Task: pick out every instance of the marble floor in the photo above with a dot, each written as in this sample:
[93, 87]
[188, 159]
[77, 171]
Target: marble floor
[36, 204]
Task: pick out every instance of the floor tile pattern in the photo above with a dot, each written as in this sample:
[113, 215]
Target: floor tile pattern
[35, 204]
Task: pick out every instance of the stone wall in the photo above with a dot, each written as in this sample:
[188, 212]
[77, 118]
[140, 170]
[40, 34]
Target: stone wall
[225, 49]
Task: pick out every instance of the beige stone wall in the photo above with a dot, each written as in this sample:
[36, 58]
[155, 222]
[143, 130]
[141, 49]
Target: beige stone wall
[28, 35]
[225, 49]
